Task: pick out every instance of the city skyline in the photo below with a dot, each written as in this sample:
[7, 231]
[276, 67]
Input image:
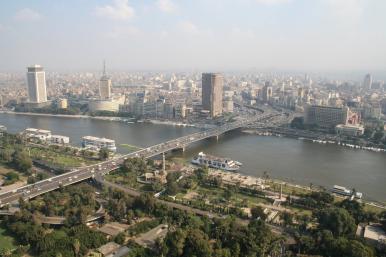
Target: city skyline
[218, 128]
[172, 35]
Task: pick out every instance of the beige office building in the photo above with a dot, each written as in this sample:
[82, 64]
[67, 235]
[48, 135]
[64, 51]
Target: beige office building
[36, 82]
[212, 90]
[105, 88]
[326, 116]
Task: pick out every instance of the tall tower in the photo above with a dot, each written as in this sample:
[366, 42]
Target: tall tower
[367, 82]
[36, 80]
[105, 85]
[267, 92]
[212, 89]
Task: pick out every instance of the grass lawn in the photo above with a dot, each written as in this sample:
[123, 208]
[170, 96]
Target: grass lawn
[130, 179]
[59, 159]
[6, 241]
[130, 148]
[300, 211]
[287, 189]
[217, 195]
[372, 208]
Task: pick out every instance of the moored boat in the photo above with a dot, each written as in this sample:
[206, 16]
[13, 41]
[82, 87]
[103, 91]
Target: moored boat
[340, 190]
[216, 162]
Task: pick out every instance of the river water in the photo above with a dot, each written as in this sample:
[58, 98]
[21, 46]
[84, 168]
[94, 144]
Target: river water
[292, 160]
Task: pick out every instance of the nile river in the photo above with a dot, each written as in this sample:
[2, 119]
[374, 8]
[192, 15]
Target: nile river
[288, 159]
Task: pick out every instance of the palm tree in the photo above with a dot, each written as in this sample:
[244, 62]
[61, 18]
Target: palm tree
[76, 246]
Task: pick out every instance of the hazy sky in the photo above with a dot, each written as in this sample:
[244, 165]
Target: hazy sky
[193, 34]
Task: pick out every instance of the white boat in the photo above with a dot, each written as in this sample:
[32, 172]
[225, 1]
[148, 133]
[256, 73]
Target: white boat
[215, 162]
[341, 190]
[238, 163]
[346, 192]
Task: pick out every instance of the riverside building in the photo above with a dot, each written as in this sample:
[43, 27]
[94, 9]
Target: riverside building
[212, 90]
[36, 82]
[325, 116]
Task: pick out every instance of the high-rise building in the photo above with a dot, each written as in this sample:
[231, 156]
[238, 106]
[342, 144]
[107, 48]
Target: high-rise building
[326, 116]
[267, 92]
[300, 92]
[105, 85]
[367, 82]
[212, 91]
[36, 80]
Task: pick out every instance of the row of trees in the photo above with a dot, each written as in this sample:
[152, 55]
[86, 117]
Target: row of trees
[71, 241]
[52, 109]
[174, 185]
[221, 238]
[73, 202]
[191, 235]
[336, 222]
[14, 154]
[17, 158]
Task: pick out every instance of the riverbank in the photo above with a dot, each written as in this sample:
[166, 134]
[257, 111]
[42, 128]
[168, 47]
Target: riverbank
[314, 140]
[165, 122]
[127, 120]
[273, 185]
[66, 116]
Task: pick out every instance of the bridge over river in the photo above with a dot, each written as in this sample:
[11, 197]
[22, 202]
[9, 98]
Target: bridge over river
[102, 168]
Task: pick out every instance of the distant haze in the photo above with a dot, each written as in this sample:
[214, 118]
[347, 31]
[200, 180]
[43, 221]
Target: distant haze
[328, 35]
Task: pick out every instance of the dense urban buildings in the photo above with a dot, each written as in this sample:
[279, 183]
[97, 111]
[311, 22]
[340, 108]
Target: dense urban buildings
[212, 93]
[36, 80]
[279, 154]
